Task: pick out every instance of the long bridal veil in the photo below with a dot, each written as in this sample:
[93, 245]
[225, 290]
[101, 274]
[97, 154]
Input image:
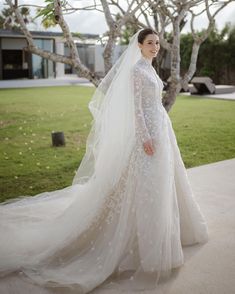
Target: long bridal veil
[80, 236]
[113, 127]
[41, 235]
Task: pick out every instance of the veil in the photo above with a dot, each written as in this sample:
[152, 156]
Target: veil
[67, 213]
[112, 134]
[76, 237]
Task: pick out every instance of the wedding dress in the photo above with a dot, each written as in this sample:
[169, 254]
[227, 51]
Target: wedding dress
[127, 214]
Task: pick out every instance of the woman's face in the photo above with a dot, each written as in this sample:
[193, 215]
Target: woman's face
[150, 46]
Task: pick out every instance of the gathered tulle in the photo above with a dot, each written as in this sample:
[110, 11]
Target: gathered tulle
[123, 222]
[74, 238]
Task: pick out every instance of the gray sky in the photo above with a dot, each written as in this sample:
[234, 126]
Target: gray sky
[94, 22]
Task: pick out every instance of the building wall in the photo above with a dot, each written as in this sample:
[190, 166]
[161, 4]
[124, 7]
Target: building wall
[37, 67]
[17, 63]
[13, 43]
[99, 60]
[60, 67]
[14, 61]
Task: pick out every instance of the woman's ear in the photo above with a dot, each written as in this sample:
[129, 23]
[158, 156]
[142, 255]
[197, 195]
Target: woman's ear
[140, 45]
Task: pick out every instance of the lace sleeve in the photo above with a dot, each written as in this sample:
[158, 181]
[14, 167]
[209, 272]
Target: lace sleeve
[142, 129]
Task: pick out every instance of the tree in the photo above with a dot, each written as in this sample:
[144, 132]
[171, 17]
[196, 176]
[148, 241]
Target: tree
[8, 20]
[54, 11]
[73, 59]
[173, 14]
[216, 56]
[220, 48]
[158, 14]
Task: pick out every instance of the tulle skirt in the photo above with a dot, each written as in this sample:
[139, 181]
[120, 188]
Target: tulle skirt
[127, 237]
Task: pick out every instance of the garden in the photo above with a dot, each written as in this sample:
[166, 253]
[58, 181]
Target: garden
[204, 129]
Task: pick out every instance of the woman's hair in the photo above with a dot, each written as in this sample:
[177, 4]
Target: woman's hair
[142, 34]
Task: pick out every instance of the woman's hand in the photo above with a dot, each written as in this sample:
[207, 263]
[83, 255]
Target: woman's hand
[148, 147]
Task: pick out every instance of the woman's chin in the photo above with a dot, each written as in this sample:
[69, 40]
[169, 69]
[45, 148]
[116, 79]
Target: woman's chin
[153, 55]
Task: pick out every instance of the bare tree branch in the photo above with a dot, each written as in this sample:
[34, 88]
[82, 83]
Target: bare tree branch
[163, 15]
[75, 62]
[115, 28]
[65, 29]
[116, 3]
[198, 40]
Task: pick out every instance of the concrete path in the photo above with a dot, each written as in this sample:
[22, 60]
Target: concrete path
[208, 268]
[67, 80]
[226, 96]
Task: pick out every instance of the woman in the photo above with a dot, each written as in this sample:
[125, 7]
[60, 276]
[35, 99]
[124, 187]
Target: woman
[130, 209]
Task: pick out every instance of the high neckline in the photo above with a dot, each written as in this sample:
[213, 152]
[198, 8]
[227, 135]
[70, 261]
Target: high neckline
[146, 60]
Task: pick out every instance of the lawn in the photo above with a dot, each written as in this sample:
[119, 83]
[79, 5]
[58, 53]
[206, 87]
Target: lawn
[29, 165]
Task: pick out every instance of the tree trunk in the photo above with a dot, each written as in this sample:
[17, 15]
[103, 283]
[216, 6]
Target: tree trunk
[174, 85]
[193, 63]
[108, 53]
[170, 95]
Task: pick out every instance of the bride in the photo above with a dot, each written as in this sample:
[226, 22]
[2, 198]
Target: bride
[130, 208]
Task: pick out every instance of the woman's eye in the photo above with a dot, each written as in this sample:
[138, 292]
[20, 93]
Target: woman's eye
[157, 43]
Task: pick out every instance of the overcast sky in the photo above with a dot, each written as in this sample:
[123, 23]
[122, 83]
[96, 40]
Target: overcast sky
[94, 22]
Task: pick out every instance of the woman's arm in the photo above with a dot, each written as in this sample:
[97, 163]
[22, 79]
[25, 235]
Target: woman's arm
[140, 120]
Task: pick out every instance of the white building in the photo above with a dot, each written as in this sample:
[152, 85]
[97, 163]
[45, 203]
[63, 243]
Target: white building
[16, 63]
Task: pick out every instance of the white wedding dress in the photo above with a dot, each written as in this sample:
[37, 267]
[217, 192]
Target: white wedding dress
[81, 236]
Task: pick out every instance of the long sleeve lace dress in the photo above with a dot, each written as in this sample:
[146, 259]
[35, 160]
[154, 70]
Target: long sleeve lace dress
[140, 227]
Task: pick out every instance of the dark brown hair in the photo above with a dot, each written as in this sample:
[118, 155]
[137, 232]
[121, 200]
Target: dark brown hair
[142, 34]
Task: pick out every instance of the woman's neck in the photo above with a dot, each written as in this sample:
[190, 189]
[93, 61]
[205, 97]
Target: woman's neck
[149, 60]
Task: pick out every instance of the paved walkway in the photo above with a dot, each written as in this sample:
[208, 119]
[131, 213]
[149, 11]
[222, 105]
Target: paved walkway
[74, 80]
[226, 96]
[208, 268]
[64, 81]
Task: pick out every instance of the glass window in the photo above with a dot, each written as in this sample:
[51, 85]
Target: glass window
[41, 67]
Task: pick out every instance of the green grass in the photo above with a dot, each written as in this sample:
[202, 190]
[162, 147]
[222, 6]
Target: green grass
[205, 129]
[29, 165]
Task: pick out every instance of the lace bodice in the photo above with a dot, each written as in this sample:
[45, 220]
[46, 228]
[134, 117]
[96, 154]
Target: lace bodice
[148, 99]
[123, 222]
